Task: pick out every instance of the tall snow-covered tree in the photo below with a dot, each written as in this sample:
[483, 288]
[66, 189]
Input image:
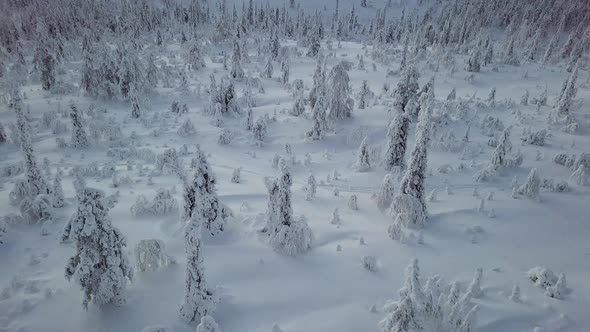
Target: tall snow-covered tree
[396, 141]
[199, 300]
[3, 136]
[319, 83]
[340, 104]
[320, 123]
[407, 87]
[363, 162]
[413, 181]
[101, 265]
[57, 192]
[36, 182]
[473, 62]
[364, 95]
[568, 93]
[384, 197]
[79, 137]
[47, 69]
[510, 54]
[200, 193]
[291, 236]
[237, 72]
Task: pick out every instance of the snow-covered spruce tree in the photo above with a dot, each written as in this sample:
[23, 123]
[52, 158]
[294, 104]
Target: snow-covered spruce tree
[135, 108]
[3, 136]
[57, 192]
[406, 89]
[79, 137]
[413, 181]
[532, 185]
[473, 62]
[259, 130]
[101, 265]
[319, 83]
[291, 236]
[285, 69]
[364, 95]
[510, 55]
[320, 122]
[384, 197]
[363, 162]
[237, 72]
[268, 68]
[272, 187]
[314, 45]
[396, 141]
[580, 176]
[47, 65]
[200, 193]
[236, 175]
[249, 122]
[298, 106]
[340, 104]
[567, 95]
[199, 300]
[310, 188]
[35, 180]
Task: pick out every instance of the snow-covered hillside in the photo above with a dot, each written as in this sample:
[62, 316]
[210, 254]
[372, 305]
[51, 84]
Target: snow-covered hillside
[283, 166]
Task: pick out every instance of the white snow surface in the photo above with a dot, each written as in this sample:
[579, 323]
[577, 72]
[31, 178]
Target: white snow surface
[323, 289]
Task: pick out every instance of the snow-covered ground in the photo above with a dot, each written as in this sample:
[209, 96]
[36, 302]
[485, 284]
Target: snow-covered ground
[323, 289]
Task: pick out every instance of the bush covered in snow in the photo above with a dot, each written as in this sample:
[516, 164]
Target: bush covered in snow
[432, 307]
[150, 255]
[162, 204]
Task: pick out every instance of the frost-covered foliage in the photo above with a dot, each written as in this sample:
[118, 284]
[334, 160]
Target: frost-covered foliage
[208, 324]
[162, 204]
[319, 83]
[199, 300]
[259, 130]
[225, 137]
[413, 181]
[100, 265]
[531, 187]
[3, 230]
[169, 161]
[340, 104]
[555, 287]
[236, 175]
[363, 162]
[535, 138]
[38, 209]
[406, 89]
[310, 188]
[501, 158]
[200, 196]
[365, 95]
[580, 176]
[408, 212]
[396, 141]
[150, 255]
[384, 197]
[320, 122]
[35, 181]
[187, 129]
[432, 307]
[79, 136]
[288, 235]
[370, 263]
[3, 136]
[223, 97]
[353, 202]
